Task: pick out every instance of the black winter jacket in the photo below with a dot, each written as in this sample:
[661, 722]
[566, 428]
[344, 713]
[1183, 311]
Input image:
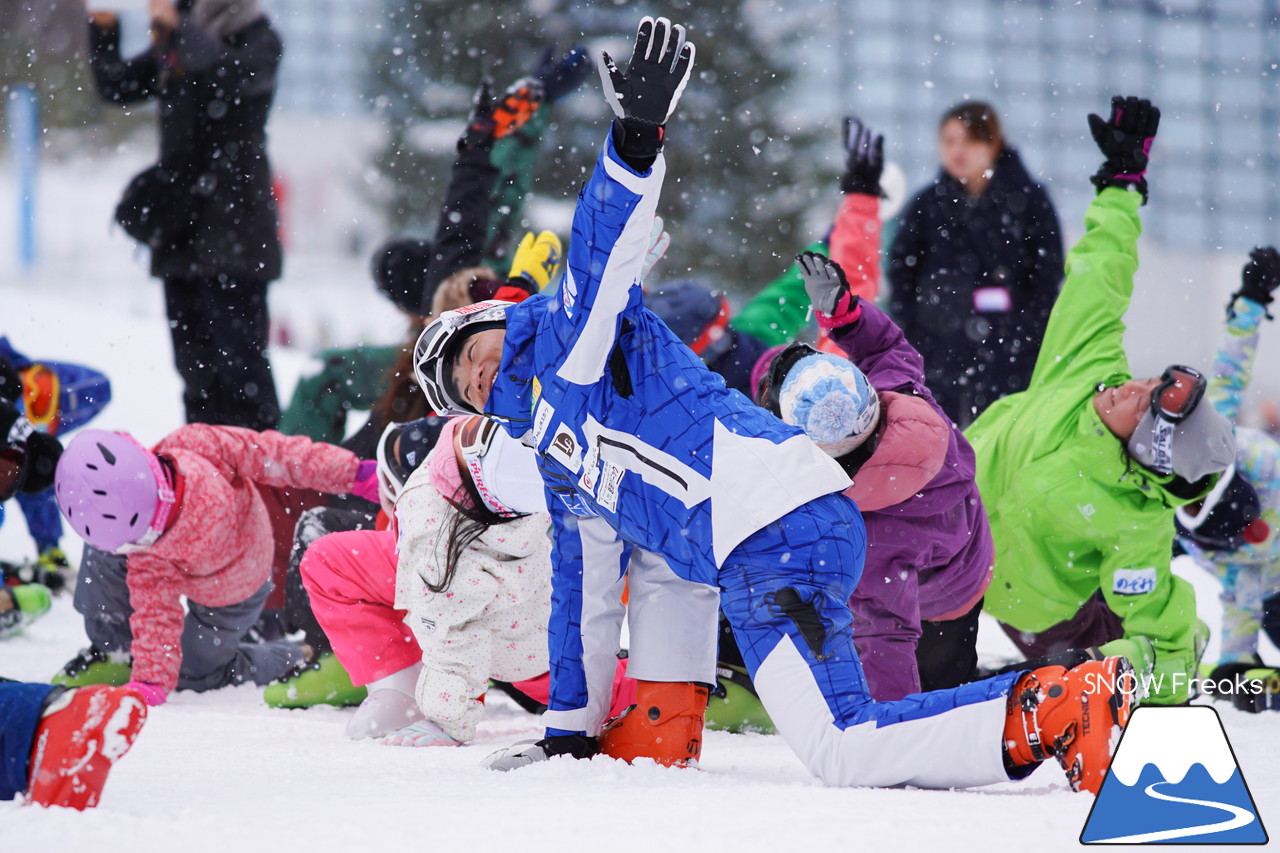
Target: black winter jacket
[214, 98]
[947, 247]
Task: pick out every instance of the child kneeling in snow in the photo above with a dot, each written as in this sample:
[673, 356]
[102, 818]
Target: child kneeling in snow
[187, 519]
[456, 591]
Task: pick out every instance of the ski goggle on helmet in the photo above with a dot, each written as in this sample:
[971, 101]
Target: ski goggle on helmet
[1178, 393]
[113, 491]
[437, 348]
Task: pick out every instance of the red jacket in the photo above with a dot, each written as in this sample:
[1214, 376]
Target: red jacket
[218, 548]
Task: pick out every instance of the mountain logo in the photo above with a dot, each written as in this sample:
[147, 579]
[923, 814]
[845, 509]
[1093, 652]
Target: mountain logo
[1174, 780]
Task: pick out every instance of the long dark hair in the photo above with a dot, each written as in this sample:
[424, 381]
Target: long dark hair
[403, 400]
[467, 523]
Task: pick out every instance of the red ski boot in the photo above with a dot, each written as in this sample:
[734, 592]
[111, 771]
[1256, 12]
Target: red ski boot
[81, 734]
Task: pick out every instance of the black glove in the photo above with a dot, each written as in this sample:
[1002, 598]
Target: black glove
[1125, 138]
[480, 129]
[1260, 277]
[528, 752]
[656, 75]
[561, 76]
[866, 159]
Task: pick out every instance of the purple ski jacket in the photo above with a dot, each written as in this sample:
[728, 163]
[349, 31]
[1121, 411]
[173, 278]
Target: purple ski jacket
[929, 557]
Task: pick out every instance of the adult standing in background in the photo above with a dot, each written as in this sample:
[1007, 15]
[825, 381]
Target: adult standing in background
[206, 209]
[975, 266]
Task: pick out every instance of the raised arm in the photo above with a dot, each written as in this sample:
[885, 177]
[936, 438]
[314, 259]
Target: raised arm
[117, 80]
[871, 340]
[855, 239]
[1084, 341]
[614, 217]
[1245, 312]
[468, 203]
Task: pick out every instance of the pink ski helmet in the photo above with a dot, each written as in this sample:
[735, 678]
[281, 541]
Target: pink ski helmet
[112, 491]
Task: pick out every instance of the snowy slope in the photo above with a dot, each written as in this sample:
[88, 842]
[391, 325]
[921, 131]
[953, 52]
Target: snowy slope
[221, 772]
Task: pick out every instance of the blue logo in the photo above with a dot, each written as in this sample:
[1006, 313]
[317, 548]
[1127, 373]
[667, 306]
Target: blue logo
[1174, 780]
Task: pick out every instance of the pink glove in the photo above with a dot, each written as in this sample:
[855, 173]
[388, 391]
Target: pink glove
[150, 693]
[366, 484]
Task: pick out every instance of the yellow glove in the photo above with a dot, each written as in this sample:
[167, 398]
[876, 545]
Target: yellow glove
[538, 259]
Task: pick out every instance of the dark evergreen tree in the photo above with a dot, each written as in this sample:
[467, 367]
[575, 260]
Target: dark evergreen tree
[740, 180]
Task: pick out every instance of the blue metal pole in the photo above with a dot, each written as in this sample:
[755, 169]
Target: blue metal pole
[24, 136]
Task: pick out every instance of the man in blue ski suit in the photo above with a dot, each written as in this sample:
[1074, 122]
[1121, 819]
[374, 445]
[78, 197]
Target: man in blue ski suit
[643, 448]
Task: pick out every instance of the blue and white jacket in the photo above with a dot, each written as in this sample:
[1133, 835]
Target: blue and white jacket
[640, 445]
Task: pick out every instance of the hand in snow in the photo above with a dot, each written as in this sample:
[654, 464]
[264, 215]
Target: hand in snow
[1125, 138]
[655, 77]
[527, 752]
[828, 290]
[866, 159]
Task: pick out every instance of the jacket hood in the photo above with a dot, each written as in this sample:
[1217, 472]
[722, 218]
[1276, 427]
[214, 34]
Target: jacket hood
[911, 451]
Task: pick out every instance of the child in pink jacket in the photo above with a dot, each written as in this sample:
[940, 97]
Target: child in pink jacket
[186, 518]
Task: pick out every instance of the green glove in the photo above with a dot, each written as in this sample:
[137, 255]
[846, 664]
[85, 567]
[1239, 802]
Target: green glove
[1140, 652]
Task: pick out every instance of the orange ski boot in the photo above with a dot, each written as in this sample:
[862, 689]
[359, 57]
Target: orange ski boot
[1073, 715]
[665, 724]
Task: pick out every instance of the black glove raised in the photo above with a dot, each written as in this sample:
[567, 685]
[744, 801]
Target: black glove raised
[480, 124]
[561, 75]
[866, 159]
[1260, 277]
[656, 75]
[1125, 138]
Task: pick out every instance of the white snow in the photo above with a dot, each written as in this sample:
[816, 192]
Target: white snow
[221, 772]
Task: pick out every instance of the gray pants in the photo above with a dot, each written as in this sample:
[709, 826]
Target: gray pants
[214, 650]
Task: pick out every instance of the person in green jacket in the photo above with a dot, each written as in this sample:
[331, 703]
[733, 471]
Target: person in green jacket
[1082, 472]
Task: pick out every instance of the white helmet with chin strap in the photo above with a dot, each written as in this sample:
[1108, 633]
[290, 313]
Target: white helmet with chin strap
[438, 345]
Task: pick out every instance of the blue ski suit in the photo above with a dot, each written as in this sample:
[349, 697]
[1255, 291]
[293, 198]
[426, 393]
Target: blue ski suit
[642, 448]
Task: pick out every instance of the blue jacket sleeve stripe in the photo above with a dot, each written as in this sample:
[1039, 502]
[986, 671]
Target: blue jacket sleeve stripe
[611, 227]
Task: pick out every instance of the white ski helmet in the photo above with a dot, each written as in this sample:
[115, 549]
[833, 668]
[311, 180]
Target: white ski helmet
[434, 353]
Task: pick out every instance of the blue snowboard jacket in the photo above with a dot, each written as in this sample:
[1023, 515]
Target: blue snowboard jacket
[640, 445]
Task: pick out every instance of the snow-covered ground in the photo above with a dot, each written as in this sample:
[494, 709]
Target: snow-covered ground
[222, 772]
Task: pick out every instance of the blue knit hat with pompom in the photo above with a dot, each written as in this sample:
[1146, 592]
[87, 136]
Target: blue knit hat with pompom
[832, 401]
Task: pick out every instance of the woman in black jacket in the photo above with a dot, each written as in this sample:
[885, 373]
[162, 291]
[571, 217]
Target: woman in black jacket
[213, 229]
[975, 267]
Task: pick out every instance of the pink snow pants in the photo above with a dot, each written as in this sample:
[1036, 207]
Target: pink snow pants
[351, 578]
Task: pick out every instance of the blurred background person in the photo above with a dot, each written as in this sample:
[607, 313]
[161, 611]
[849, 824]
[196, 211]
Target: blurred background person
[975, 266]
[206, 209]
